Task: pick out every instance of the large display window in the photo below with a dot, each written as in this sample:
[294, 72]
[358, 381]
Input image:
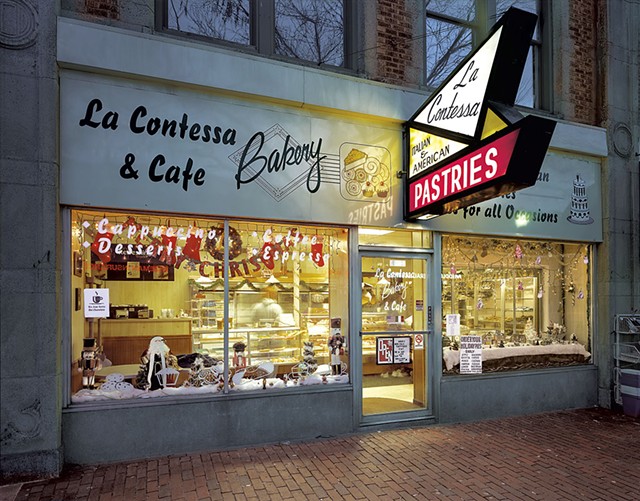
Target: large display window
[517, 304]
[155, 314]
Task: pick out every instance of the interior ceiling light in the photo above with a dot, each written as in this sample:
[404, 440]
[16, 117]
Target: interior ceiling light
[373, 231]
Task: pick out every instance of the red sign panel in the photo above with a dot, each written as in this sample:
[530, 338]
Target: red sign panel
[384, 350]
[485, 164]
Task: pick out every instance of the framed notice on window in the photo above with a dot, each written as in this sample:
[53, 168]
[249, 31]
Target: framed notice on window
[393, 350]
[470, 354]
[96, 303]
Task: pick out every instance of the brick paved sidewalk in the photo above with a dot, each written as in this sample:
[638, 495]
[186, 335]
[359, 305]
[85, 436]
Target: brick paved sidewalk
[585, 454]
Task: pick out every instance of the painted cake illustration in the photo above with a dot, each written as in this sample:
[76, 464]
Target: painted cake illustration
[579, 211]
[354, 159]
[365, 176]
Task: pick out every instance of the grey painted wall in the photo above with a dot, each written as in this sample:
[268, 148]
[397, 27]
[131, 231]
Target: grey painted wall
[619, 255]
[188, 425]
[469, 398]
[30, 375]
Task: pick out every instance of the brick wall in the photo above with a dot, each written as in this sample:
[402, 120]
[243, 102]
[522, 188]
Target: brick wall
[102, 8]
[583, 67]
[393, 49]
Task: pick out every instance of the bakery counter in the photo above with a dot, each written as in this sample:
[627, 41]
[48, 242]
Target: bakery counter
[261, 343]
[110, 327]
[124, 340]
[205, 331]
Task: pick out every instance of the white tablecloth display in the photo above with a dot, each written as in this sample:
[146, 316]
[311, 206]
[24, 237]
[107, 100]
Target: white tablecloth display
[452, 357]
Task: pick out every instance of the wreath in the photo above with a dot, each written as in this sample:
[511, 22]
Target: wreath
[215, 245]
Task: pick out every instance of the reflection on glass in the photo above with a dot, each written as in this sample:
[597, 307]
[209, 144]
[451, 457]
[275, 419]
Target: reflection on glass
[460, 9]
[526, 91]
[447, 45]
[532, 6]
[312, 31]
[224, 20]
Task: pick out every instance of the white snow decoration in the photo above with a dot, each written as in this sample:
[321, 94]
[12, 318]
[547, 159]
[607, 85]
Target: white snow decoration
[258, 384]
[311, 380]
[323, 370]
[452, 357]
[116, 377]
[237, 377]
[129, 392]
[268, 367]
[97, 395]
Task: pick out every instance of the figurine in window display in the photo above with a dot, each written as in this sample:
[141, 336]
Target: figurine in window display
[89, 363]
[267, 312]
[155, 359]
[336, 346]
[239, 355]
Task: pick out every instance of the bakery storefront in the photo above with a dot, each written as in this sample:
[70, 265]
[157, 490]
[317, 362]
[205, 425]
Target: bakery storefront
[241, 271]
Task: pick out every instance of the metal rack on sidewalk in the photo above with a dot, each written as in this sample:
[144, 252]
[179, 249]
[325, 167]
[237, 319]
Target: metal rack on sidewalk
[626, 350]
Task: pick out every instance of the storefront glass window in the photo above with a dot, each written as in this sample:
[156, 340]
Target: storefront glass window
[150, 318]
[526, 302]
[301, 30]
[453, 29]
[392, 237]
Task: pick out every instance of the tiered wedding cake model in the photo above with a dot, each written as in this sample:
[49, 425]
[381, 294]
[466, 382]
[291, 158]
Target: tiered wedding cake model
[579, 212]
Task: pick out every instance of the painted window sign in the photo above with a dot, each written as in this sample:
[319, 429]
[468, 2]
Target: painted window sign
[115, 246]
[467, 143]
[384, 350]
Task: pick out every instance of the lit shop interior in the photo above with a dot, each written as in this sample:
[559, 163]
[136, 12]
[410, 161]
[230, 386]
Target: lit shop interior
[283, 321]
[393, 323]
[529, 301]
[286, 313]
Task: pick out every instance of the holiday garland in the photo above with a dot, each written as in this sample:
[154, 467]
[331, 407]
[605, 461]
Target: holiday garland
[215, 245]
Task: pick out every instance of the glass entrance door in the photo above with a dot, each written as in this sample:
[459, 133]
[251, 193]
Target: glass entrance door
[394, 333]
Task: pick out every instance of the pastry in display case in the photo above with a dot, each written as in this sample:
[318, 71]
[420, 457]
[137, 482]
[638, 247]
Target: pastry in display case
[259, 319]
[498, 309]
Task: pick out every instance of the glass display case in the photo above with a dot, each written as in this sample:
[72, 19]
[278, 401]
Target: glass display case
[500, 309]
[304, 317]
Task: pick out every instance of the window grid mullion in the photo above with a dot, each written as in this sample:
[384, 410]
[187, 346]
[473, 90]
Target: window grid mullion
[264, 26]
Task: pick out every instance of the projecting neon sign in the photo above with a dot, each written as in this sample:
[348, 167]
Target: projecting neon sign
[467, 143]
[477, 168]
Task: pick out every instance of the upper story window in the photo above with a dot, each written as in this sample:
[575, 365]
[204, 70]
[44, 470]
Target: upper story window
[312, 31]
[453, 29]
